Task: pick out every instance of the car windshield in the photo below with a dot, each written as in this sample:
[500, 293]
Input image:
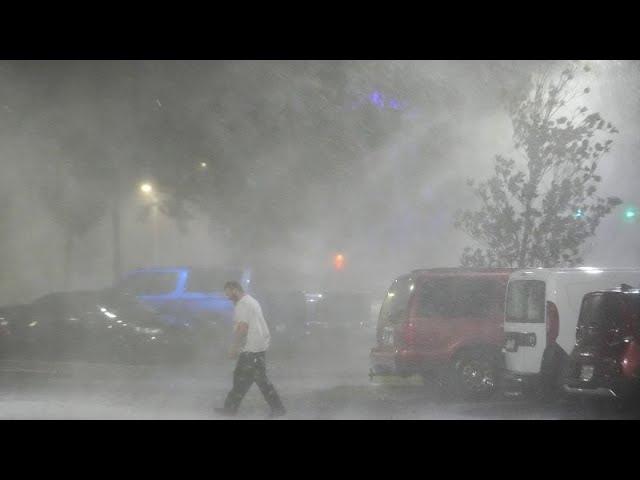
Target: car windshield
[396, 302]
[525, 301]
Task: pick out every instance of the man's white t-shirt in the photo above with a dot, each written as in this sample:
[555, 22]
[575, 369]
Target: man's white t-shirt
[248, 311]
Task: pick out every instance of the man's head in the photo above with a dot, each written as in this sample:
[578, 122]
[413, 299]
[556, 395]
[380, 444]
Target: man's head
[234, 291]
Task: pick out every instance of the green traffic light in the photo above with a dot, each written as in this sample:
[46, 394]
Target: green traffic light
[630, 213]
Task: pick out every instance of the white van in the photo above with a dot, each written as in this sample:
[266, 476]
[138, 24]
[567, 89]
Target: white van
[541, 313]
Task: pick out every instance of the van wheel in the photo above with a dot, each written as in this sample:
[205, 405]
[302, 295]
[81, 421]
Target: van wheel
[476, 375]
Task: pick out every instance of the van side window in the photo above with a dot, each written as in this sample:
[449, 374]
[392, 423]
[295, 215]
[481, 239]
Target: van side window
[460, 297]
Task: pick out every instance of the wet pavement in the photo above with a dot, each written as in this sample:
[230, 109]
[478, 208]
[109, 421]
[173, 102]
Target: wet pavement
[317, 387]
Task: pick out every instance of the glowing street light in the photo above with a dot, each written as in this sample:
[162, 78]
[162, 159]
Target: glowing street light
[338, 261]
[146, 188]
[203, 165]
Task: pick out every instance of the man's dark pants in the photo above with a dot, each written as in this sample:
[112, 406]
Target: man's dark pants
[251, 367]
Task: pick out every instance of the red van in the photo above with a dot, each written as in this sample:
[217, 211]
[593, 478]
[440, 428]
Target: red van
[447, 321]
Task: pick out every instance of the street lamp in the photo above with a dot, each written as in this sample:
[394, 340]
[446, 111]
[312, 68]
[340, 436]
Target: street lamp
[146, 188]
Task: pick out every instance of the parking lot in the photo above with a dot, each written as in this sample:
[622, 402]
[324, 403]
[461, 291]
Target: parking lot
[315, 387]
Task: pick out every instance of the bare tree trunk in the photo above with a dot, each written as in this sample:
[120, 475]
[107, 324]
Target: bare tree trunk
[68, 260]
[530, 193]
[117, 252]
[525, 236]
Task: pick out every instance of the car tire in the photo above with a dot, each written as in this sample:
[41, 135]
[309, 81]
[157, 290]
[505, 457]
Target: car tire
[475, 375]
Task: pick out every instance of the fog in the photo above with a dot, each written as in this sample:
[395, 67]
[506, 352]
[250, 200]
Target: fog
[392, 193]
[274, 163]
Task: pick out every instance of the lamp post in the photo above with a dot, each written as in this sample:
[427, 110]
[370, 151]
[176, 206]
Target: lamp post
[148, 191]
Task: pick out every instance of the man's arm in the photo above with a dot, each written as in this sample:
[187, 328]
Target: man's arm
[239, 338]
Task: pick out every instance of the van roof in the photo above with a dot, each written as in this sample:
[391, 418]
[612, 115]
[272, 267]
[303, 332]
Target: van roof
[581, 269]
[631, 291]
[461, 271]
[544, 273]
[181, 268]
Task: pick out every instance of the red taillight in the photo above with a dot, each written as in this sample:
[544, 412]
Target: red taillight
[553, 322]
[631, 360]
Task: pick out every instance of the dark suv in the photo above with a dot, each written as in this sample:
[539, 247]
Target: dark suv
[444, 321]
[606, 358]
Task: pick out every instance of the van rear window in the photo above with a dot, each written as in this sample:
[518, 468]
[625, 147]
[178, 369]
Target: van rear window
[610, 310]
[635, 315]
[525, 301]
[602, 310]
[461, 297]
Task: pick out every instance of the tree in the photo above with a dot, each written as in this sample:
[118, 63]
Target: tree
[4, 238]
[75, 193]
[539, 214]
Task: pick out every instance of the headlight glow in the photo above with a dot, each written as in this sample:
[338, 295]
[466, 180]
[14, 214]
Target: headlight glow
[148, 331]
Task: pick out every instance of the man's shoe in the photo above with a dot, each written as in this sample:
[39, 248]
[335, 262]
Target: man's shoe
[225, 412]
[277, 413]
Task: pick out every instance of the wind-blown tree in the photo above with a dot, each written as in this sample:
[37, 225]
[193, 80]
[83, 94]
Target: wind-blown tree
[538, 212]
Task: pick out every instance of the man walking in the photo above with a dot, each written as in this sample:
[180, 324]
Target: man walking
[251, 341]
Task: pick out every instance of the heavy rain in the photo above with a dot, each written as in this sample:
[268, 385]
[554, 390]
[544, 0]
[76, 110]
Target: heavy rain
[360, 239]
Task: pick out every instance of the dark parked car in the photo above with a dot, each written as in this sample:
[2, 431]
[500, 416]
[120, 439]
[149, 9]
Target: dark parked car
[93, 326]
[446, 322]
[606, 358]
[155, 313]
[335, 320]
[285, 314]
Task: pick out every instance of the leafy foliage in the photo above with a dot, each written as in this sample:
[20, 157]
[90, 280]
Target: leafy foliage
[539, 212]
